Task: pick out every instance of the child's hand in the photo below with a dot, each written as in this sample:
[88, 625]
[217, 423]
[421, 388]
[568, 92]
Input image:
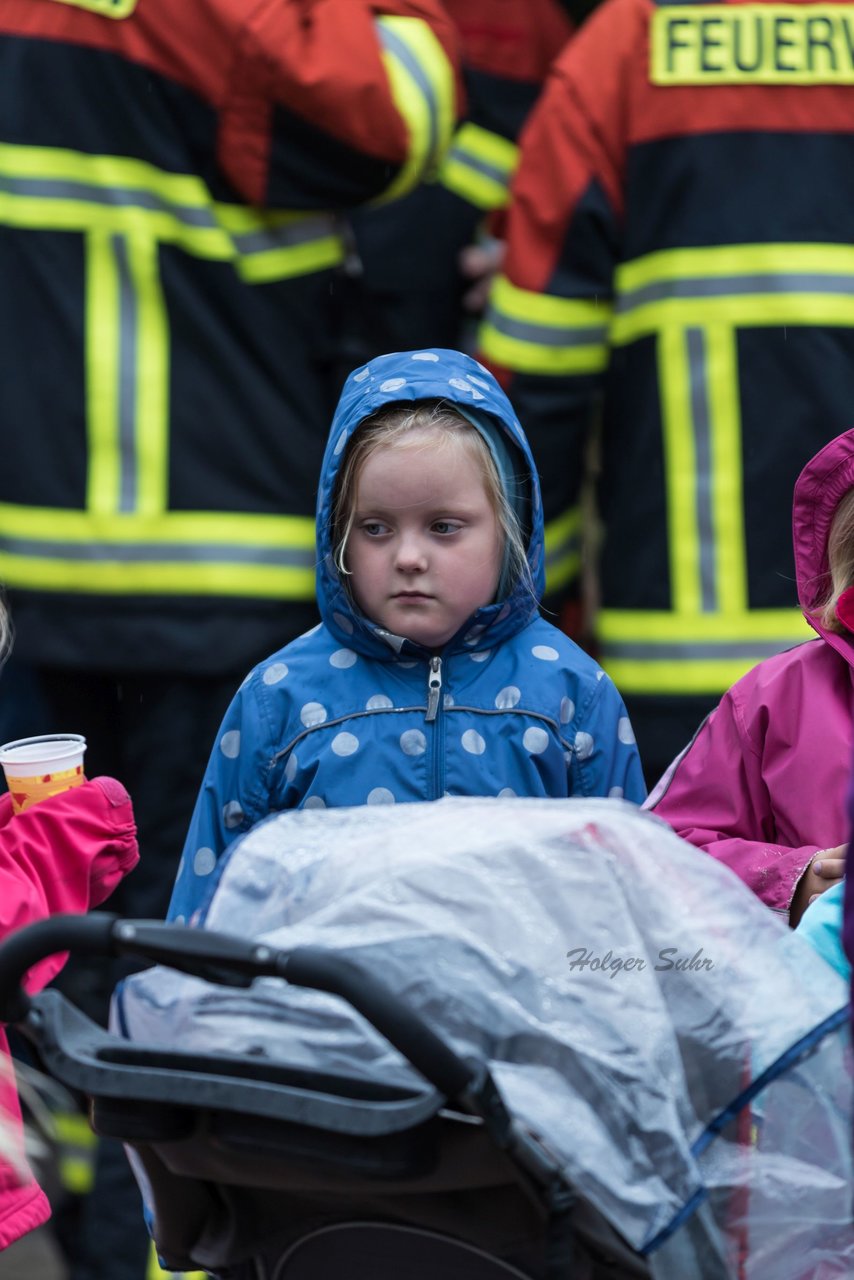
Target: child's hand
[826, 869]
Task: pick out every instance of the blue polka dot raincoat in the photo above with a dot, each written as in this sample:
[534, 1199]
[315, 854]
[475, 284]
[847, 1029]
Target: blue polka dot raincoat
[350, 715]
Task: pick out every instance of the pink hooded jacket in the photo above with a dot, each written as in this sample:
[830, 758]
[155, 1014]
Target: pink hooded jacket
[67, 853]
[763, 785]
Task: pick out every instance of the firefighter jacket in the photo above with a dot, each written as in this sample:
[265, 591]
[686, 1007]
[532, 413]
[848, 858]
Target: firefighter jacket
[411, 288]
[169, 176]
[680, 270]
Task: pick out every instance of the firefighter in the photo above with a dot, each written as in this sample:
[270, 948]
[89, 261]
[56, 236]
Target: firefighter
[170, 176]
[679, 287]
[417, 262]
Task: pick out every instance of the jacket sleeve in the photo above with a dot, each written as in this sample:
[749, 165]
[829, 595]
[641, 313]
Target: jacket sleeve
[605, 761]
[234, 796]
[334, 104]
[716, 797]
[65, 854]
[546, 331]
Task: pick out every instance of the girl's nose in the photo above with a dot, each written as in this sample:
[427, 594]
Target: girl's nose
[411, 554]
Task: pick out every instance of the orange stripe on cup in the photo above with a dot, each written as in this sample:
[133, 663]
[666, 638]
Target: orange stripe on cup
[44, 766]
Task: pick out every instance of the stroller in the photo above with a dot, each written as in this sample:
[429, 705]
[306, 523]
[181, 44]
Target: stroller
[420, 1042]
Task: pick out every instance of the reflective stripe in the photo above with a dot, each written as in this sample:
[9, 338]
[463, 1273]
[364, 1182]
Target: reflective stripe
[76, 1154]
[154, 1271]
[538, 333]
[479, 167]
[563, 549]
[665, 654]
[50, 188]
[743, 285]
[700, 416]
[106, 8]
[422, 86]
[178, 552]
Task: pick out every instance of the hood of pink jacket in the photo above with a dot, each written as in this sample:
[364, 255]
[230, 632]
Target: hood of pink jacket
[819, 489]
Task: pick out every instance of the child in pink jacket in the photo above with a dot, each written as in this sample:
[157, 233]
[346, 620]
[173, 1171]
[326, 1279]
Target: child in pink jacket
[66, 853]
[763, 784]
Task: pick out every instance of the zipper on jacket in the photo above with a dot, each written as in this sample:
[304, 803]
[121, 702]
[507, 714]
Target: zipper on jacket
[434, 687]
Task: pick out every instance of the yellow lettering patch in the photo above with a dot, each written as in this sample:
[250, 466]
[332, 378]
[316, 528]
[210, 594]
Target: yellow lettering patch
[107, 8]
[753, 44]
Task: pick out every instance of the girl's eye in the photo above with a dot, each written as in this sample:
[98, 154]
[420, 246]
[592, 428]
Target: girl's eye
[445, 526]
[373, 528]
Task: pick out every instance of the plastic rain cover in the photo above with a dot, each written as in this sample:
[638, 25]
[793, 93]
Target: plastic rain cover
[628, 992]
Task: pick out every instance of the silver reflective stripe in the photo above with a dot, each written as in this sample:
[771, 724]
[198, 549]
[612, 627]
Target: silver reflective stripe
[405, 56]
[129, 197]
[472, 160]
[755, 650]
[168, 553]
[285, 237]
[733, 286]
[546, 335]
[702, 430]
[128, 338]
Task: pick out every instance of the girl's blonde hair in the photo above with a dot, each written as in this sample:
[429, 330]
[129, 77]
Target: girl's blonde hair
[398, 425]
[840, 560]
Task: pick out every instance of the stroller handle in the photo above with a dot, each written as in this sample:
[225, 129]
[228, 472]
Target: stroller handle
[233, 961]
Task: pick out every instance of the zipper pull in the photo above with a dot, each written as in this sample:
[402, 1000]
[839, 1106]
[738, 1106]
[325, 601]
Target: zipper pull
[434, 687]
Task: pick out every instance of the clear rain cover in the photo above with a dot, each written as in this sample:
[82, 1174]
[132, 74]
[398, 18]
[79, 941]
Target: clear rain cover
[626, 990]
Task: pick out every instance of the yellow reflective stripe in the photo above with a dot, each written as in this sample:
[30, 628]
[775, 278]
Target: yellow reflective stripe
[562, 548]
[298, 260]
[638, 626]
[47, 188]
[106, 8]
[179, 552]
[154, 1271]
[152, 578]
[479, 166]
[744, 285]
[680, 469]
[102, 392]
[727, 495]
[539, 333]
[76, 1151]
[675, 678]
[151, 438]
[421, 80]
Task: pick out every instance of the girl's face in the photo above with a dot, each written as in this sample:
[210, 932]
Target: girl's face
[425, 547]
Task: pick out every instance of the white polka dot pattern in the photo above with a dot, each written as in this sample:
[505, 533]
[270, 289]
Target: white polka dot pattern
[427, 356]
[625, 733]
[413, 742]
[473, 742]
[545, 653]
[392, 384]
[567, 710]
[314, 802]
[378, 702]
[229, 744]
[204, 861]
[345, 744]
[275, 672]
[615, 793]
[341, 659]
[508, 697]
[343, 622]
[380, 795]
[291, 767]
[535, 740]
[583, 745]
[232, 814]
[312, 714]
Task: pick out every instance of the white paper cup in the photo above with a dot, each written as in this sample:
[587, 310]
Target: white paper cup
[36, 768]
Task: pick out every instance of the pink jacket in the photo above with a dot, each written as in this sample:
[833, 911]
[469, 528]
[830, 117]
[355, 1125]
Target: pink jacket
[67, 853]
[762, 786]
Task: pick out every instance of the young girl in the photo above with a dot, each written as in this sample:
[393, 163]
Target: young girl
[763, 784]
[66, 853]
[432, 673]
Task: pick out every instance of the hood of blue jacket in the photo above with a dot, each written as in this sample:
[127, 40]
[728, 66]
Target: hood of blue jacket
[428, 374]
